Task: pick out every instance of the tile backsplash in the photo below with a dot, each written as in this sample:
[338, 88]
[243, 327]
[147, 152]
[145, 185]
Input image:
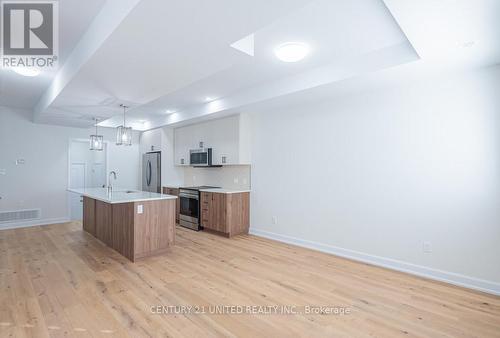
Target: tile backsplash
[229, 177]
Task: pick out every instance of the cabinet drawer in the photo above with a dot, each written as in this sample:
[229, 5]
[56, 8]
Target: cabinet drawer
[172, 191]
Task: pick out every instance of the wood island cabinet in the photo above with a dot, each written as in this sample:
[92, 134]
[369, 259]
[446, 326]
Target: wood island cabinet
[89, 215]
[134, 229]
[174, 192]
[227, 214]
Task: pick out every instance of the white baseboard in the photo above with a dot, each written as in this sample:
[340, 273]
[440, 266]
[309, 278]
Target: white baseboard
[418, 270]
[33, 223]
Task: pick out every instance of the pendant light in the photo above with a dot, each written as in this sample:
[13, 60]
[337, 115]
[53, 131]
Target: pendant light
[124, 134]
[96, 141]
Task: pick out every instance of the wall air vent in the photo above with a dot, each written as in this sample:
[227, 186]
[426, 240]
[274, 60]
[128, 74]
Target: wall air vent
[19, 215]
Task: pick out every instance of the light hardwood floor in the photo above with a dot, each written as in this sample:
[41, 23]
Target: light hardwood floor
[59, 281]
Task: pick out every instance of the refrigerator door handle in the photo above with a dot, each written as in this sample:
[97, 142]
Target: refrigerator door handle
[150, 173]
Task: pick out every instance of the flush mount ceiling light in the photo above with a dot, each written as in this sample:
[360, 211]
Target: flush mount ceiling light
[96, 141]
[25, 71]
[467, 44]
[291, 51]
[209, 99]
[124, 134]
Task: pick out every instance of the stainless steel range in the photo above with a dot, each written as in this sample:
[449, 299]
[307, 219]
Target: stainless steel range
[190, 207]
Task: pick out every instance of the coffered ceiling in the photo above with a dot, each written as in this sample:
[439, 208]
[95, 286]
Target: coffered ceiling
[74, 20]
[172, 61]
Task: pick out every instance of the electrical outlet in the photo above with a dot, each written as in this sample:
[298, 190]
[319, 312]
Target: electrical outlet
[427, 247]
[140, 209]
[236, 180]
[3, 172]
[275, 220]
[20, 161]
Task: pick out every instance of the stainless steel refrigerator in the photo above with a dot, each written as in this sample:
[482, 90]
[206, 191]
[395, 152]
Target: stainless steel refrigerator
[151, 172]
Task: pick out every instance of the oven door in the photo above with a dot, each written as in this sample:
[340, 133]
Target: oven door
[189, 207]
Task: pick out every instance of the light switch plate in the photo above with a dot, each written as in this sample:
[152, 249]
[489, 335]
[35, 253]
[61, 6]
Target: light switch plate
[3, 172]
[140, 209]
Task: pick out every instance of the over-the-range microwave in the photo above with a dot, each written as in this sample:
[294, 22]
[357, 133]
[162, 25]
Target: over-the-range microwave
[200, 157]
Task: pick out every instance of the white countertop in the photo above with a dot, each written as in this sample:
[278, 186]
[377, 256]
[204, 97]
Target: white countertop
[225, 191]
[121, 195]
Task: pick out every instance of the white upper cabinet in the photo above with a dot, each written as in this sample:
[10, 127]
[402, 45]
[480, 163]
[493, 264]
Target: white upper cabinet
[228, 138]
[183, 141]
[151, 141]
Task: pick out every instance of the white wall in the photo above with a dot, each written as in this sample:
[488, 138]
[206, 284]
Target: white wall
[42, 181]
[374, 175]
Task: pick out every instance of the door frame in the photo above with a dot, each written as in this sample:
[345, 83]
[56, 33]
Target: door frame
[82, 140]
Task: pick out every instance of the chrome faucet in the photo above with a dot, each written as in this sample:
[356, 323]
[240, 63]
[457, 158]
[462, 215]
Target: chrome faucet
[110, 187]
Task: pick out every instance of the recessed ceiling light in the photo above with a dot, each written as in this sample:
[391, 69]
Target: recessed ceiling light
[168, 111]
[209, 98]
[25, 71]
[291, 51]
[468, 44]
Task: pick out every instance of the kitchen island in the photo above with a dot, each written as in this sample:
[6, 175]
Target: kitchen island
[137, 224]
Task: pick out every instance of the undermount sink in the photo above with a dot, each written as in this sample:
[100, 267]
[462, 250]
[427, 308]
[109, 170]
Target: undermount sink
[127, 191]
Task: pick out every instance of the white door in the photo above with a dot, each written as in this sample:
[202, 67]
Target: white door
[77, 180]
[98, 176]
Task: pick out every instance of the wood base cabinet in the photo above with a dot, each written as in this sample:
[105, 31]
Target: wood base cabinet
[134, 234]
[227, 214]
[89, 215]
[174, 192]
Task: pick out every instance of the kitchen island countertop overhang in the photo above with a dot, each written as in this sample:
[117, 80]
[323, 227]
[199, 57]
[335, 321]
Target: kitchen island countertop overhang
[120, 195]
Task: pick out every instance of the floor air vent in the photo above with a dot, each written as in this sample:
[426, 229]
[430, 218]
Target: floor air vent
[19, 215]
